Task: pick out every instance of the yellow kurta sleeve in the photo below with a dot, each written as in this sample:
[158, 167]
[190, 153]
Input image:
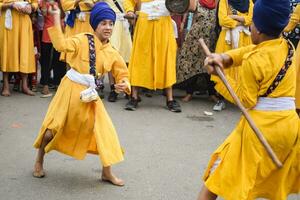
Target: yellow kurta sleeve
[84, 7]
[68, 5]
[237, 54]
[248, 17]
[61, 43]
[34, 4]
[294, 20]
[129, 5]
[120, 72]
[224, 19]
[247, 86]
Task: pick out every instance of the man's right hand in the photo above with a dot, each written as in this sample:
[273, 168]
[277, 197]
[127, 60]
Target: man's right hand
[55, 12]
[131, 17]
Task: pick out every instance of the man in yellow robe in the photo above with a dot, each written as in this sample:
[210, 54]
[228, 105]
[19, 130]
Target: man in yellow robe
[240, 168]
[16, 42]
[152, 63]
[76, 122]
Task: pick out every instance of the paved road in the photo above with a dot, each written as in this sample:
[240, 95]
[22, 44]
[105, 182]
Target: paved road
[166, 153]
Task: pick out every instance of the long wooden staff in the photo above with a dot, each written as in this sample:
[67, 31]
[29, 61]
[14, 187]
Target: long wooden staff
[244, 111]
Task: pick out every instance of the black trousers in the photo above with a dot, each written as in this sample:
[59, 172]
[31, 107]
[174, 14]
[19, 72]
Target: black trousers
[50, 61]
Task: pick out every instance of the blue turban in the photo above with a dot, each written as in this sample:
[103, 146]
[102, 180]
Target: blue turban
[101, 11]
[271, 16]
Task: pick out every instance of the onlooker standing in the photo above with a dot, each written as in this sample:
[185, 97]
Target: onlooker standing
[152, 63]
[16, 42]
[234, 18]
[120, 40]
[49, 56]
[78, 18]
[190, 71]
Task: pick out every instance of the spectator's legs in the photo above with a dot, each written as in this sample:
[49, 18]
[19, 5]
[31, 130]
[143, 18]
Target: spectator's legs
[5, 90]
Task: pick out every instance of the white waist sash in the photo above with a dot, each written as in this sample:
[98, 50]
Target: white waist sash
[155, 9]
[89, 94]
[8, 14]
[233, 35]
[275, 104]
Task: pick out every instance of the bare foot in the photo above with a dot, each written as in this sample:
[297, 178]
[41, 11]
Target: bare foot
[187, 98]
[27, 91]
[5, 92]
[38, 171]
[113, 180]
[46, 93]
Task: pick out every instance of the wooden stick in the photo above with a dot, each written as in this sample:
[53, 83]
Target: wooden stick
[257, 132]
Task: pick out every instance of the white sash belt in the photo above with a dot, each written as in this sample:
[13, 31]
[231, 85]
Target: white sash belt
[233, 35]
[155, 9]
[275, 104]
[89, 94]
[8, 14]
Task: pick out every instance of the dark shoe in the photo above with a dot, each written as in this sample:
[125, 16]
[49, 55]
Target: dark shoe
[51, 86]
[148, 93]
[132, 104]
[16, 87]
[100, 93]
[139, 99]
[112, 96]
[173, 106]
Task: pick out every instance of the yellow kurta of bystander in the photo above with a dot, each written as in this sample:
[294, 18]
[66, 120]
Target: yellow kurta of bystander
[16, 44]
[227, 24]
[153, 59]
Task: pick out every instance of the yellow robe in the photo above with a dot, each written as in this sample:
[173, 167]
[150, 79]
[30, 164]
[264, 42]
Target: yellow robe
[294, 20]
[153, 59]
[16, 45]
[121, 38]
[80, 127]
[246, 171]
[227, 23]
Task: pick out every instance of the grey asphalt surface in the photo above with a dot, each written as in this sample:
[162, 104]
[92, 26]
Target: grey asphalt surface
[165, 153]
